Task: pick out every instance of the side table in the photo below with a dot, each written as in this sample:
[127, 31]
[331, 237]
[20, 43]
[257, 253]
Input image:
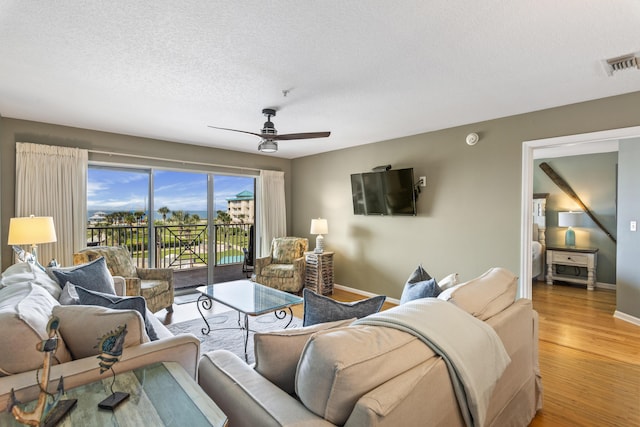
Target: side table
[319, 272]
[574, 257]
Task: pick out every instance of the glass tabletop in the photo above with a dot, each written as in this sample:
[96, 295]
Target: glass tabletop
[161, 394]
[249, 297]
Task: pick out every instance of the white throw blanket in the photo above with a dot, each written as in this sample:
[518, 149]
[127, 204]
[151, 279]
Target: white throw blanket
[471, 349]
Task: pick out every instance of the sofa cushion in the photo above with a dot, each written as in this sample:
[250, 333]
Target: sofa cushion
[448, 281]
[93, 275]
[83, 326]
[339, 366]
[25, 311]
[321, 309]
[87, 297]
[486, 295]
[24, 272]
[277, 352]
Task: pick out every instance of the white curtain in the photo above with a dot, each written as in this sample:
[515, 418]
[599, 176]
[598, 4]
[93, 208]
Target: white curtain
[273, 210]
[52, 181]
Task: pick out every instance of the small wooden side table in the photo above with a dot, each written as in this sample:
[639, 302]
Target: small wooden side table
[319, 272]
[574, 257]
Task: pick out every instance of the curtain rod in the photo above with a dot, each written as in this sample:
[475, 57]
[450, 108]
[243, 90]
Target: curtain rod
[184, 162]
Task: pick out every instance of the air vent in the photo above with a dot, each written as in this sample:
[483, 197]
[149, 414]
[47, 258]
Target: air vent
[621, 63]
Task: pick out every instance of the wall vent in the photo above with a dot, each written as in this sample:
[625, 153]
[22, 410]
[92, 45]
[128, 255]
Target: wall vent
[621, 63]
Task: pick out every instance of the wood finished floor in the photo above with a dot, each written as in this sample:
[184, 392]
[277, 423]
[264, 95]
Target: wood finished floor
[589, 360]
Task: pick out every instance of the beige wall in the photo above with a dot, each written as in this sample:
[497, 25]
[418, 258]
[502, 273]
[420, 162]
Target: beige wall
[469, 213]
[12, 131]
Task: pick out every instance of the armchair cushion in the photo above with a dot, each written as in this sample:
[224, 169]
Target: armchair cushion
[93, 275]
[286, 249]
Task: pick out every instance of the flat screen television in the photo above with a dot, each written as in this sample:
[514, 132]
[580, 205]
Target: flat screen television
[389, 192]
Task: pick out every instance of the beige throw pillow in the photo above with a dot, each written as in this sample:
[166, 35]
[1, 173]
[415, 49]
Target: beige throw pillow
[83, 326]
[277, 352]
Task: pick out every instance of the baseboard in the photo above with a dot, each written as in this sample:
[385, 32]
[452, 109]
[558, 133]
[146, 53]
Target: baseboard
[626, 317]
[610, 286]
[364, 293]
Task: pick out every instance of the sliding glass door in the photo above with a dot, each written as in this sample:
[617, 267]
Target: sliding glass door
[184, 220]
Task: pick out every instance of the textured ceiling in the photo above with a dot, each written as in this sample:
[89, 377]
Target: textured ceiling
[365, 70]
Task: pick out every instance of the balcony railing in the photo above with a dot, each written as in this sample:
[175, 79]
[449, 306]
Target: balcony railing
[177, 246]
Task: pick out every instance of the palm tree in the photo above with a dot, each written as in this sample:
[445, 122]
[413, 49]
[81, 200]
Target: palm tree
[139, 216]
[164, 211]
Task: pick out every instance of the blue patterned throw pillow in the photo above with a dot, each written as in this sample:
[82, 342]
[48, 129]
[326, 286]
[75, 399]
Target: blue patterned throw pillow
[420, 284]
[94, 276]
[321, 309]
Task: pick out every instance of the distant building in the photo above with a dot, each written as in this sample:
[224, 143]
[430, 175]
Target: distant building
[241, 207]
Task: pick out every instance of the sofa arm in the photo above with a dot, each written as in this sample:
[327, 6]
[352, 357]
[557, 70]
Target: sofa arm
[261, 263]
[247, 398]
[120, 284]
[184, 349]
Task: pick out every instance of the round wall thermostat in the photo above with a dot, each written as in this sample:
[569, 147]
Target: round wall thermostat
[472, 139]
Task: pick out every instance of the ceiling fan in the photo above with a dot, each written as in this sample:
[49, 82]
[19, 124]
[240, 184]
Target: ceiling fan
[269, 134]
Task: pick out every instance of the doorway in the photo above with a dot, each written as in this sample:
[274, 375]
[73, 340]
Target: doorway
[588, 143]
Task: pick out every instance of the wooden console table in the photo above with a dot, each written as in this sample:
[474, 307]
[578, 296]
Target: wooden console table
[573, 257]
[319, 272]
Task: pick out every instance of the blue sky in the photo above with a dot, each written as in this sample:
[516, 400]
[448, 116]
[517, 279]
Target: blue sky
[122, 190]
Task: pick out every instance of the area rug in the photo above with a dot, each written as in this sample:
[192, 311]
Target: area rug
[186, 297]
[225, 333]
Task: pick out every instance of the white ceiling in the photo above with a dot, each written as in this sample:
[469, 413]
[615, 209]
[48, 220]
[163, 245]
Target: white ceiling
[365, 70]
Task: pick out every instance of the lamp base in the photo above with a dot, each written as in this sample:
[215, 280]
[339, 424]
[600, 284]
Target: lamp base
[319, 244]
[570, 238]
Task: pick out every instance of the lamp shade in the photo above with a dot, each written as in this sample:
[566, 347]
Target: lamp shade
[319, 226]
[31, 230]
[569, 219]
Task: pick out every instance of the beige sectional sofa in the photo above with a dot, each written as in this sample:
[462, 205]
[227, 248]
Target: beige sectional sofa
[28, 298]
[364, 375]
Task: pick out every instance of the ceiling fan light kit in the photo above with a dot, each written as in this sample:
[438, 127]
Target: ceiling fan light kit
[270, 136]
[268, 146]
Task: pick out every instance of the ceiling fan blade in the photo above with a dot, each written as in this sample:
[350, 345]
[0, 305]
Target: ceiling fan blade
[236, 130]
[307, 135]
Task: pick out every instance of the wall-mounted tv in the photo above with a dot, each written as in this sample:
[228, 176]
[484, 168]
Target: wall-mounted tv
[390, 192]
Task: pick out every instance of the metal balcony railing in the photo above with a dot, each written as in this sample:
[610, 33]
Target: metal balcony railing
[176, 246]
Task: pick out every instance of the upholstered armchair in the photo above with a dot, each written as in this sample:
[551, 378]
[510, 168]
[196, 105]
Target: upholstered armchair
[154, 284]
[284, 268]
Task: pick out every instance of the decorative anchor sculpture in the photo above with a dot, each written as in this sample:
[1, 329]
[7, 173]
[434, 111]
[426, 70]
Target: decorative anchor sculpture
[111, 346]
[49, 408]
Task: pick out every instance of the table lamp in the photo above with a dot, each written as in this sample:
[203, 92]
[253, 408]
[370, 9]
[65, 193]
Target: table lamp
[319, 226]
[32, 230]
[569, 219]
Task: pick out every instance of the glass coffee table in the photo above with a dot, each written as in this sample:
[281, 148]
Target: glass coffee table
[249, 299]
